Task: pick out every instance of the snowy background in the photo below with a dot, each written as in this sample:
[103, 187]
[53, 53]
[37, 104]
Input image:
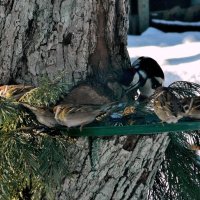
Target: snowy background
[177, 53]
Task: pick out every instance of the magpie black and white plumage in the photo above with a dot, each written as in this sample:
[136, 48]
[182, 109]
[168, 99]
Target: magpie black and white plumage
[144, 74]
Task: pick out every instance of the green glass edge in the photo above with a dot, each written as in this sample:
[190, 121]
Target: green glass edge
[146, 129]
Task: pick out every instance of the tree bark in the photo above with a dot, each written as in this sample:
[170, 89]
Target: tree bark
[83, 39]
[125, 168]
[80, 37]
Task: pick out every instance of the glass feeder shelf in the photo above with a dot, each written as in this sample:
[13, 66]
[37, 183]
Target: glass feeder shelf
[141, 129]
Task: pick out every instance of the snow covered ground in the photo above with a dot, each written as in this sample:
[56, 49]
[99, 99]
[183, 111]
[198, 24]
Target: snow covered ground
[177, 53]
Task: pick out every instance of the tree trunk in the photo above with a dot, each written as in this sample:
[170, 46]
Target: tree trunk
[78, 36]
[85, 39]
[125, 168]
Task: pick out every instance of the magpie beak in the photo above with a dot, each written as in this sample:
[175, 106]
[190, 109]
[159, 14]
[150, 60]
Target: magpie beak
[132, 87]
[136, 82]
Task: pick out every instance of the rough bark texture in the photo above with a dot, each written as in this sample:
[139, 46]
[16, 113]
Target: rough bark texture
[125, 168]
[80, 37]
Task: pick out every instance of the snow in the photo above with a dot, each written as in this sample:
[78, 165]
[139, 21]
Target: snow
[180, 23]
[177, 53]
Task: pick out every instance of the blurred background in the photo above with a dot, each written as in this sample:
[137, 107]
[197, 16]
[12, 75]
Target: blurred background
[143, 12]
[168, 32]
